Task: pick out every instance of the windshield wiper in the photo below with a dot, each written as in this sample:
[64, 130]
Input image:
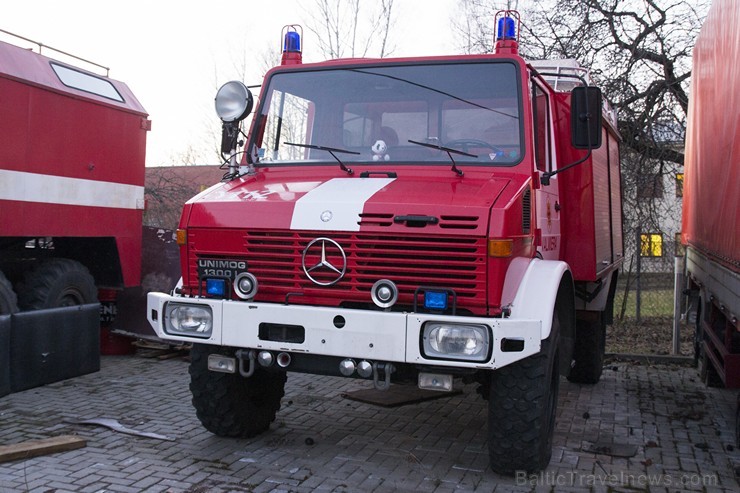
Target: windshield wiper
[450, 151]
[330, 150]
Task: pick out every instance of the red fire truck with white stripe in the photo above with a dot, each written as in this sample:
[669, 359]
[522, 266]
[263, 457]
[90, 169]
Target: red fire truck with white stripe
[433, 220]
[71, 183]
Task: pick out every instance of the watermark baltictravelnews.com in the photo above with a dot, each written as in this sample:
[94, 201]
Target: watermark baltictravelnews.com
[574, 478]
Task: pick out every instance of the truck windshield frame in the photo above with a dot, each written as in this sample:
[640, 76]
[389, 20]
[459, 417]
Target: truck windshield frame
[471, 106]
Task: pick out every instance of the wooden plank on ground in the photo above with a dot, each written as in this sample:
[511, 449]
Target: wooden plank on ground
[34, 448]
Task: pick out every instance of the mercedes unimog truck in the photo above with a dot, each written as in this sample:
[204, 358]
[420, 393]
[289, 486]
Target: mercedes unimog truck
[435, 220]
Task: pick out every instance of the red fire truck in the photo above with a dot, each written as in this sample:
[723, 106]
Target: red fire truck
[414, 219]
[71, 201]
[711, 201]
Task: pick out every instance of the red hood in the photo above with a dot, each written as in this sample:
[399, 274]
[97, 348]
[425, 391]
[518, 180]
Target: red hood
[327, 199]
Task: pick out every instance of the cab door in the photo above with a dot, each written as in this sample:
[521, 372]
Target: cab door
[547, 204]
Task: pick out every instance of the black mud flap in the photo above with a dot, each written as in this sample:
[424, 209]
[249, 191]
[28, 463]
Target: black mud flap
[51, 345]
[4, 355]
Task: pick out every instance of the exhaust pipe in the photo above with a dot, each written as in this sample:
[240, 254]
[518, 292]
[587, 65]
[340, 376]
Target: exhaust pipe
[283, 360]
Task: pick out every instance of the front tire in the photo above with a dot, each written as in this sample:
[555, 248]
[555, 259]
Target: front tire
[57, 283]
[521, 410]
[229, 405]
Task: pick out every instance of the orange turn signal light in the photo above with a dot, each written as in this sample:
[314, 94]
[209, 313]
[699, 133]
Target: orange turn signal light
[500, 248]
[181, 236]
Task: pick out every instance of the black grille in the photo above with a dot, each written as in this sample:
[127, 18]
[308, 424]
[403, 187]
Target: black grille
[526, 211]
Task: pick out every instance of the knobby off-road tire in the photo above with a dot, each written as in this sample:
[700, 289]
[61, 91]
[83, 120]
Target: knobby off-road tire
[57, 283]
[229, 405]
[8, 299]
[588, 353]
[521, 411]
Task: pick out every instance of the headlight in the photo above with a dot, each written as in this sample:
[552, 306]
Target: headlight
[233, 102]
[188, 320]
[466, 342]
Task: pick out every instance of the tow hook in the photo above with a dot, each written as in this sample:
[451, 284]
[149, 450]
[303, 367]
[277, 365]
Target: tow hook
[386, 369]
[251, 355]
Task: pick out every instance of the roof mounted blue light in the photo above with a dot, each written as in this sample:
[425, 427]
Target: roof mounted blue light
[292, 35]
[292, 42]
[506, 28]
[507, 35]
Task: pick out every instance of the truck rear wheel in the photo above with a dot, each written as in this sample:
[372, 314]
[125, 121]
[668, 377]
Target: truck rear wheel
[57, 283]
[589, 350]
[521, 410]
[229, 405]
[8, 300]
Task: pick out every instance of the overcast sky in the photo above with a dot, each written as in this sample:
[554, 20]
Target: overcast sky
[175, 54]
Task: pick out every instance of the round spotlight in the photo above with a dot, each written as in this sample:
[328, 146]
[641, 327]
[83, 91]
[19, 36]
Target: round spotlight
[233, 102]
[384, 293]
[245, 286]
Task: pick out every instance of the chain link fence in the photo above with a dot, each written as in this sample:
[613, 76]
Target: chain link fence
[644, 305]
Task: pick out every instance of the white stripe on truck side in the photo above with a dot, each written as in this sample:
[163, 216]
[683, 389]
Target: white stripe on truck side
[51, 189]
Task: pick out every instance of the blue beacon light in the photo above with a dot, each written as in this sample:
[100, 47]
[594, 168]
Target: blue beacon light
[506, 29]
[292, 42]
[291, 45]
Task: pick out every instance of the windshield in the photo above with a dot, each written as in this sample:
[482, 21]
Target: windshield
[387, 113]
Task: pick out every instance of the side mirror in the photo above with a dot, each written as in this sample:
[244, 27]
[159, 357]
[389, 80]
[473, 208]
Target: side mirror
[585, 117]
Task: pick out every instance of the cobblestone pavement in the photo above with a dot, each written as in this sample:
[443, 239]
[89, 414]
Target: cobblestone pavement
[683, 434]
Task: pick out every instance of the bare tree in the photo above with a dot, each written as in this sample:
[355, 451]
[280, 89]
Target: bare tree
[165, 194]
[639, 52]
[473, 24]
[166, 189]
[344, 28]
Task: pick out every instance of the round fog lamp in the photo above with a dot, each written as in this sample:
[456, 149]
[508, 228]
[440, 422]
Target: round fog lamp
[233, 102]
[384, 293]
[245, 286]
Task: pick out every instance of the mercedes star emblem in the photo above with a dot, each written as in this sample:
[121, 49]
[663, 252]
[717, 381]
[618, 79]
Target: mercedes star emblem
[315, 254]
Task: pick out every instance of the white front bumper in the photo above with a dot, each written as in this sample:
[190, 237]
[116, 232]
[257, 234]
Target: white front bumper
[374, 335]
